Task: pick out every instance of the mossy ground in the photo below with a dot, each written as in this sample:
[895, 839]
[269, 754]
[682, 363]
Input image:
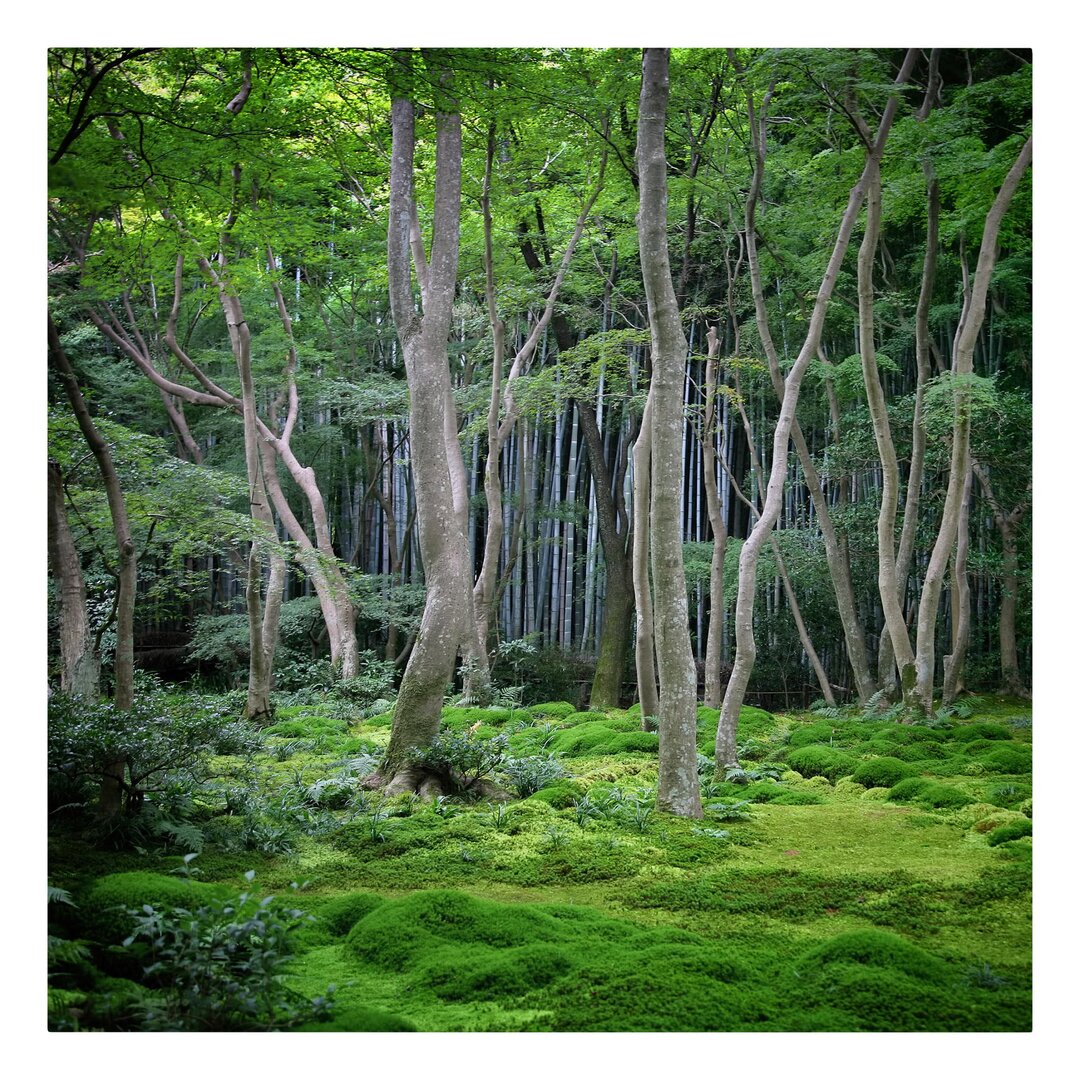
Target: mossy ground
[890, 894]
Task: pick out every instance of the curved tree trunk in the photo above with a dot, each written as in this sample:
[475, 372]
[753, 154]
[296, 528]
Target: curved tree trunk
[746, 650]
[678, 790]
[963, 365]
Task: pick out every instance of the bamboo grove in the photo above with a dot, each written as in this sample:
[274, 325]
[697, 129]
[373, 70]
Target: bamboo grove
[703, 375]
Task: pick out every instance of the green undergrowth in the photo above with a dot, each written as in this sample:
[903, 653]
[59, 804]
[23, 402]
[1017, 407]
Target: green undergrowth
[854, 875]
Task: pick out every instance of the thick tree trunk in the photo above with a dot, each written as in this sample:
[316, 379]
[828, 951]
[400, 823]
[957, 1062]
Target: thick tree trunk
[423, 340]
[678, 790]
[619, 596]
[80, 670]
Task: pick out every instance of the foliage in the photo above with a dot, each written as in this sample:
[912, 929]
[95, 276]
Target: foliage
[528, 775]
[462, 760]
[220, 967]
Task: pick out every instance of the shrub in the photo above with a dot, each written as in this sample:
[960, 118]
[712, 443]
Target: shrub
[818, 760]
[105, 904]
[882, 772]
[462, 760]
[1012, 830]
[220, 967]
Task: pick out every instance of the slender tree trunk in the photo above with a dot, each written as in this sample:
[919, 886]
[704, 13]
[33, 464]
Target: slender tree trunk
[80, 673]
[745, 651]
[961, 593]
[644, 639]
[678, 790]
[111, 795]
[714, 686]
[963, 365]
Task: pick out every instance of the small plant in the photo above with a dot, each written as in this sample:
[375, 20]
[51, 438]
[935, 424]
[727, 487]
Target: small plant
[984, 975]
[462, 760]
[527, 775]
[556, 837]
[220, 966]
[729, 811]
[585, 810]
[376, 815]
[713, 834]
[444, 806]
[496, 817]
[637, 812]
[737, 774]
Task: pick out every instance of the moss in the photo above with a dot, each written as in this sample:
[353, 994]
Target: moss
[943, 797]
[359, 1018]
[1012, 830]
[981, 730]
[1008, 759]
[557, 710]
[337, 915]
[875, 794]
[909, 789]
[797, 798]
[461, 719]
[104, 905]
[559, 795]
[819, 760]
[602, 737]
[468, 974]
[877, 948]
[882, 772]
[307, 727]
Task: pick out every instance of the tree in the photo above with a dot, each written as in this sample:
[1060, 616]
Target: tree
[423, 337]
[678, 786]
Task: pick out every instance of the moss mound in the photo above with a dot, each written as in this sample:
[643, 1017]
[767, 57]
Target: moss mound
[910, 789]
[819, 760]
[1012, 830]
[882, 772]
[943, 797]
[337, 915]
[981, 730]
[601, 737]
[559, 795]
[552, 710]
[104, 905]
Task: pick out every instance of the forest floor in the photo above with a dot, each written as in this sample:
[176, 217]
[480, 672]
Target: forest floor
[856, 875]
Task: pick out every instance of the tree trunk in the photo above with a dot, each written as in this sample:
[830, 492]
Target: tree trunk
[963, 365]
[423, 340]
[961, 596]
[745, 650]
[80, 674]
[678, 790]
[644, 637]
[111, 795]
[714, 685]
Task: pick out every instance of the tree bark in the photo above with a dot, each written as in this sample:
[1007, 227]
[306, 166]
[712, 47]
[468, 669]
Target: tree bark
[80, 674]
[678, 790]
[644, 637]
[423, 340]
[714, 685]
[110, 799]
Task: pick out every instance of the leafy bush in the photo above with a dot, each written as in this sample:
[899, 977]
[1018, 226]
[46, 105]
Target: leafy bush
[882, 772]
[160, 741]
[1013, 830]
[220, 967]
[818, 760]
[461, 761]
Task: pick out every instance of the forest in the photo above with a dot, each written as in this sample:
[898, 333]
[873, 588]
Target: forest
[539, 539]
